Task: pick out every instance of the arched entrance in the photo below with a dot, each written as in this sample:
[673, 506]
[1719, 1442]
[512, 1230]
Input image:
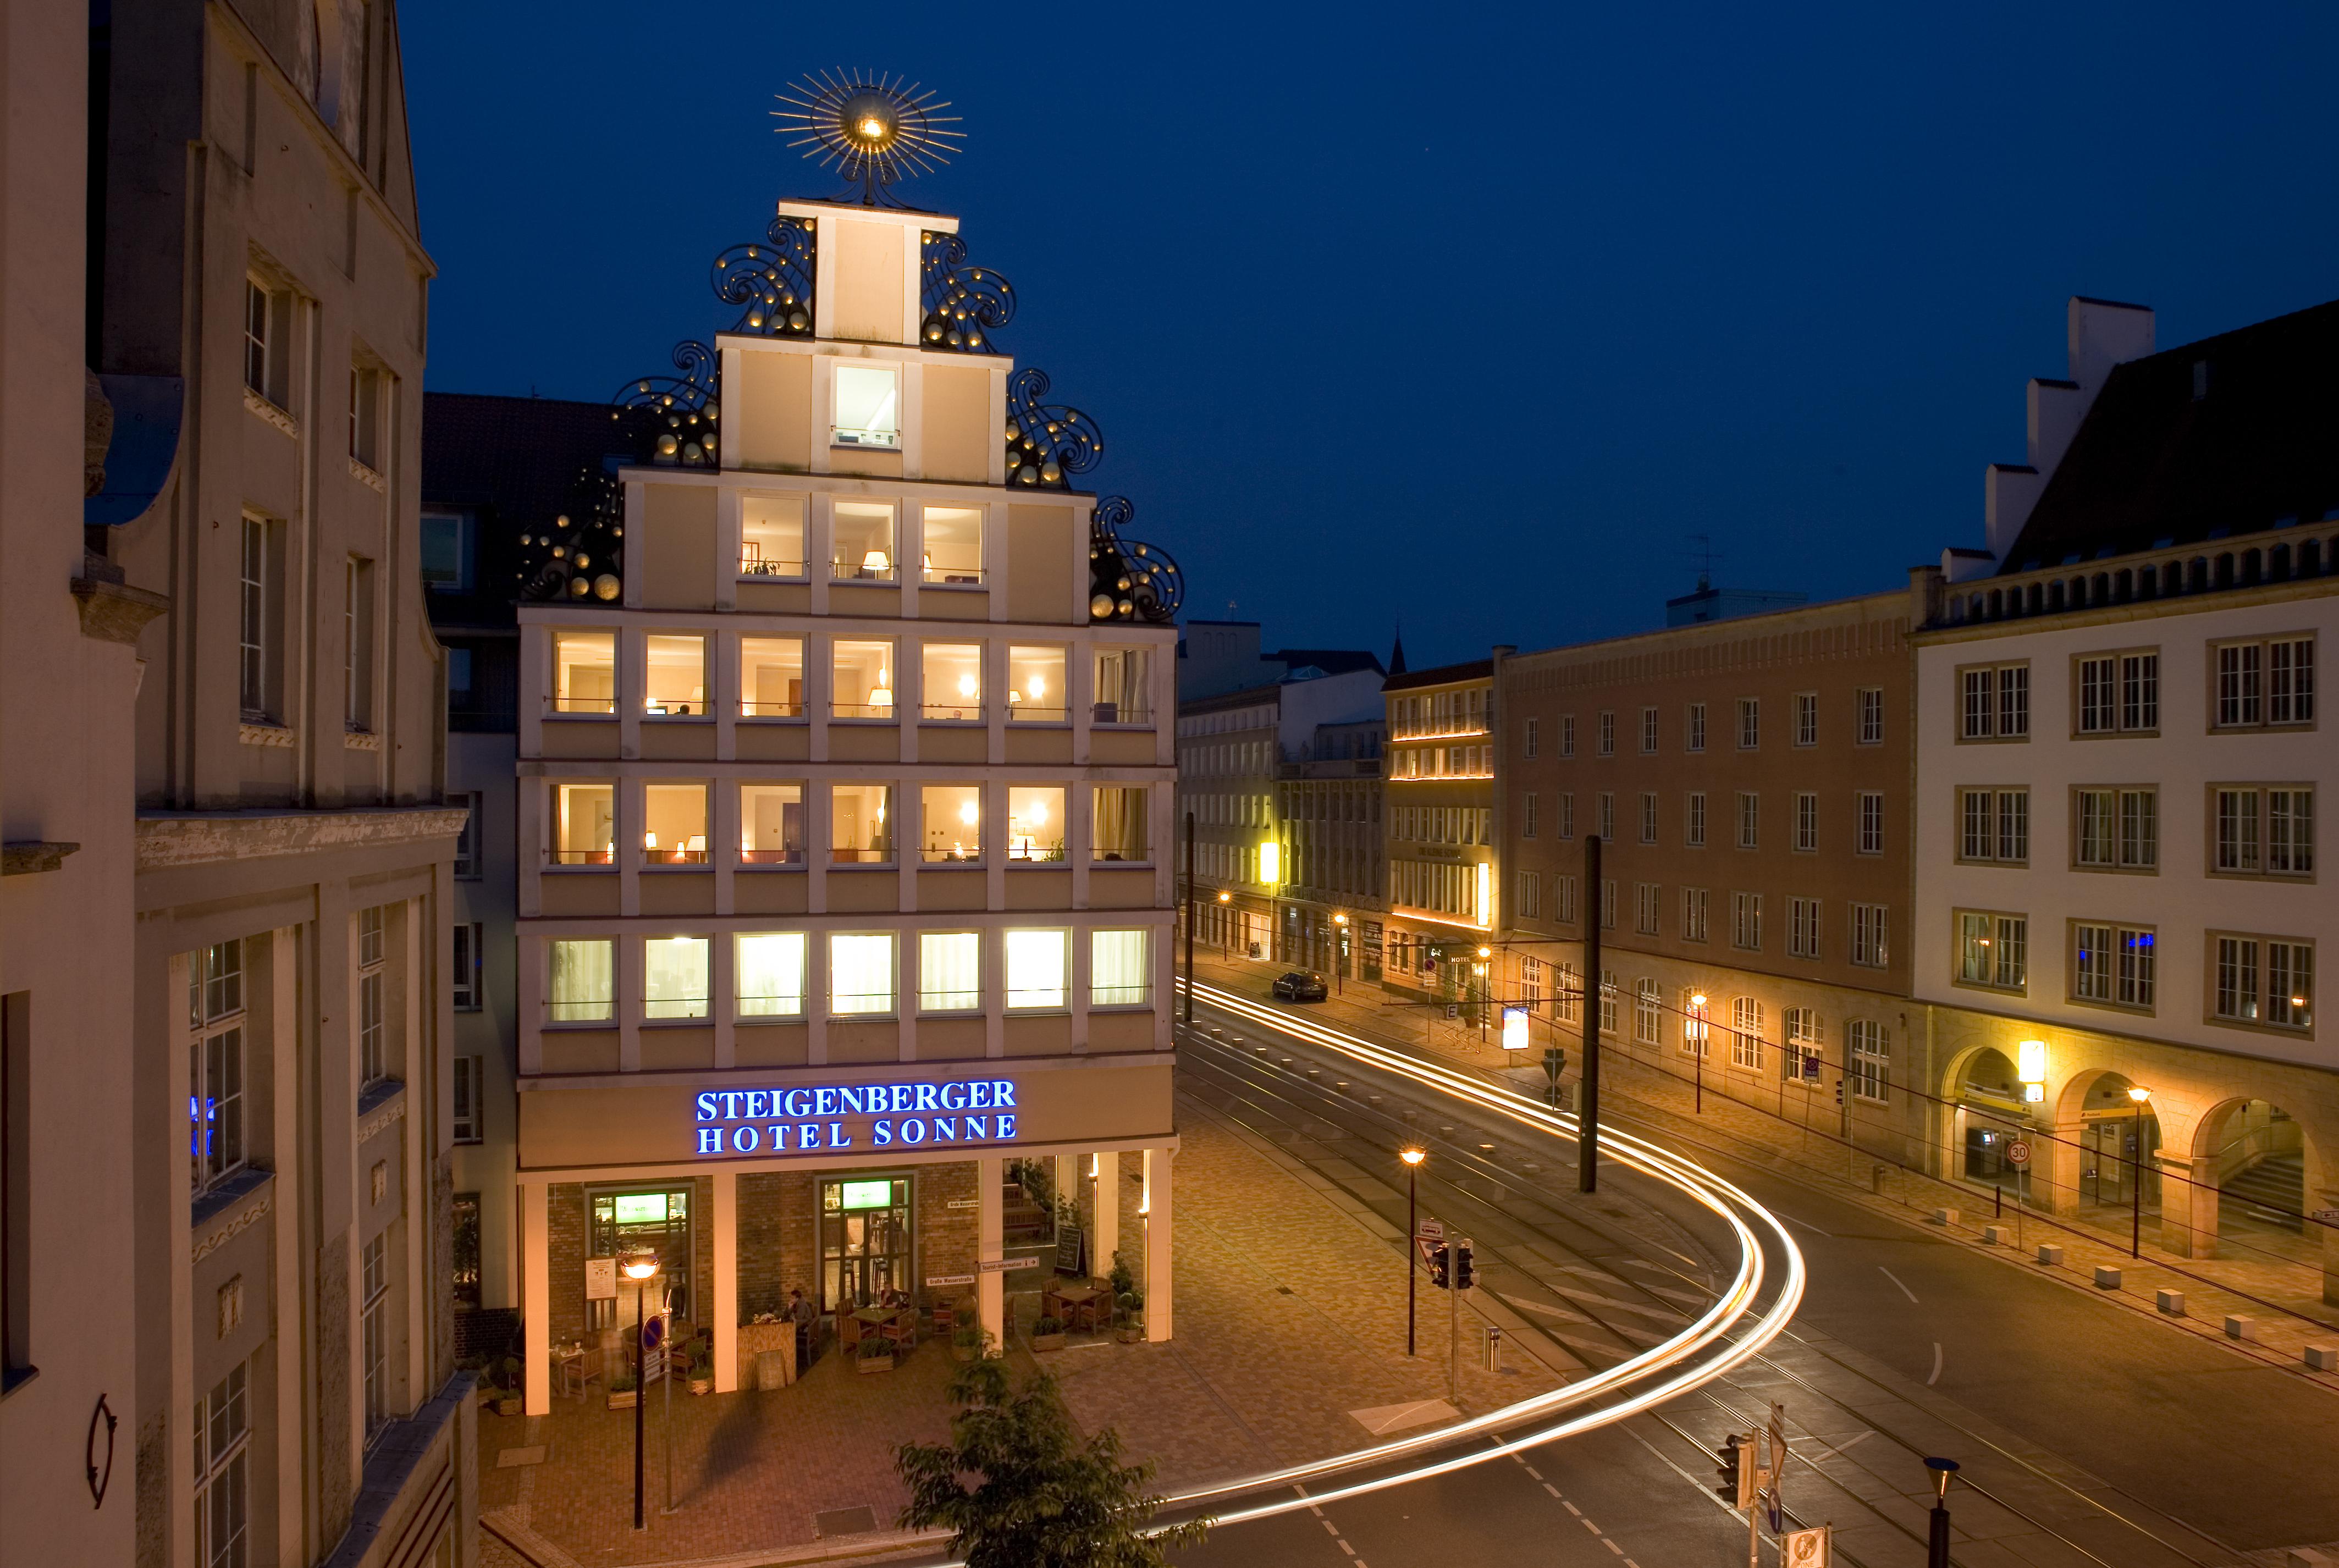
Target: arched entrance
[2252, 1155]
[2116, 1176]
[1989, 1117]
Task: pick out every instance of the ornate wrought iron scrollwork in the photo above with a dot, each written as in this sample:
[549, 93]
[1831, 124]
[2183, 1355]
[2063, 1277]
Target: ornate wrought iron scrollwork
[580, 555]
[1128, 580]
[677, 414]
[1046, 442]
[962, 301]
[774, 280]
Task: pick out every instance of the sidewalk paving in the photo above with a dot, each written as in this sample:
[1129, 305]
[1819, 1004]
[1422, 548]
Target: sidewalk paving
[1289, 1316]
[2214, 1288]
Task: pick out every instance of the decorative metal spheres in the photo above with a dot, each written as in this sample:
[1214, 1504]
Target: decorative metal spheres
[873, 131]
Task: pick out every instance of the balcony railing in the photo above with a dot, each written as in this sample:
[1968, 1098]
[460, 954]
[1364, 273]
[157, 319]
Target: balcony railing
[763, 567]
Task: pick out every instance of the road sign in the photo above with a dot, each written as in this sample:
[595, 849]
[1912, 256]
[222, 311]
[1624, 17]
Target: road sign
[653, 1348]
[1514, 1029]
[2323, 1216]
[1778, 1442]
[1430, 1230]
[1007, 1264]
[1807, 1548]
[2018, 1151]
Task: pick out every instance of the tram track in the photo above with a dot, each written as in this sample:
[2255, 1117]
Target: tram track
[1276, 1093]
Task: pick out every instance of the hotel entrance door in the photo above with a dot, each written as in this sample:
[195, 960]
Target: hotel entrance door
[865, 1241]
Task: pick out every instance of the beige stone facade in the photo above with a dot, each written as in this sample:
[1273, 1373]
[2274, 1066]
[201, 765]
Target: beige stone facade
[260, 331]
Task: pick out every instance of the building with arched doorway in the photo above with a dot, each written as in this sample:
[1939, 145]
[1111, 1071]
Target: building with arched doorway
[2120, 751]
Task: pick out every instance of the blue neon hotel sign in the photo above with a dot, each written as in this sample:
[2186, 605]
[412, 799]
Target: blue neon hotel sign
[893, 1115]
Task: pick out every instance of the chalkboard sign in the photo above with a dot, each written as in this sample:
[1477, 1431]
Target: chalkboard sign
[1071, 1250]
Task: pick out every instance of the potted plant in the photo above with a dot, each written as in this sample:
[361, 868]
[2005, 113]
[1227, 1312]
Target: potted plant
[966, 1339]
[1047, 1333]
[511, 1371]
[1128, 1305]
[1123, 1281]
[701, 1352]
[876, 1354]
[622, 1393]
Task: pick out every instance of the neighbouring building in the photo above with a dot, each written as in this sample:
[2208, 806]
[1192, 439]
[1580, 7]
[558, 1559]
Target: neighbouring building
[1749, 781]
[1440, 827]
[494, 471]
[1329, 799]
[257, 314]
[1237, 746]
[2120, 759]
[844, 816]
[72, 1126]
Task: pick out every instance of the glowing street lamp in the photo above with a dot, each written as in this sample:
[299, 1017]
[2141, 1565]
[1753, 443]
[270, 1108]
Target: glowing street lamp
[2137, 1094]
[1413, 1158]
[640, 1268]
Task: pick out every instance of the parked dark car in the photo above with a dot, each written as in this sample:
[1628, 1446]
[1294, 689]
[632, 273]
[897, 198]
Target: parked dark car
[1300, 986]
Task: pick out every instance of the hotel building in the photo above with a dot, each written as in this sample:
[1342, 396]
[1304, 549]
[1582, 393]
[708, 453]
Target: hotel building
[845, 792]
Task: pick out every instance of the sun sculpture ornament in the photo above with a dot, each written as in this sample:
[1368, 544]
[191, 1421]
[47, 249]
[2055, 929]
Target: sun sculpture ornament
[873, 130]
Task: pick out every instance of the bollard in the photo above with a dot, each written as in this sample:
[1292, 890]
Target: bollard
[1945, 1217]
[1315, 1072]
[1876, 1180]
[2050, 1256]
[2172, 1302]
[2322, 1357]
[1494, 1348]
[1994, 1234]
[2106, 1277]
[2239, 1327]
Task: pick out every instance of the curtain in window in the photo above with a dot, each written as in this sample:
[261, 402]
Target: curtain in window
[772, 975]
[1118, 975]
[674, 977]
[950, 971]
[860, 973]
[583, 981]
[1035, 969]
[1120, 824]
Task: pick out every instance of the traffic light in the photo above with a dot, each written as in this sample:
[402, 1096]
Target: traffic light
[1839, 1091]
[1729, 1468]
[1437, 1256]
[1465, 1275]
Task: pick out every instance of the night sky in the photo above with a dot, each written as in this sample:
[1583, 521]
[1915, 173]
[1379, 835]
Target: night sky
[1467, 316]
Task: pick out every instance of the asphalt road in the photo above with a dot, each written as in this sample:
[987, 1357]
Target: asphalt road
[2091, 1434]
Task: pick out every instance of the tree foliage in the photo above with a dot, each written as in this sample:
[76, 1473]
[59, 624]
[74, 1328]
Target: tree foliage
[1018, 1488]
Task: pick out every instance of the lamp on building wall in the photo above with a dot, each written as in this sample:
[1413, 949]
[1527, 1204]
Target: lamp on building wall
[2031, 1068]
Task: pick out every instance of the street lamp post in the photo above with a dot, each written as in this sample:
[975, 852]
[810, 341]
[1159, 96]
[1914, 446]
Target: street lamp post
[1226, 925]
[639, 1268]
[1193, 914]
[1937, 1536]
[1339, 953]
[2137, 1094]
[1697, 1057]
[1481, 968]
[1413, 1158]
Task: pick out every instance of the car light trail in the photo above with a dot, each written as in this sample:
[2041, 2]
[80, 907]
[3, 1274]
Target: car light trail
[1685, 1356]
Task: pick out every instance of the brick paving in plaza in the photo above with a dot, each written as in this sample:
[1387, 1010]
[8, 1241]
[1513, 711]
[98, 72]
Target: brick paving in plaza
[1289, 1315]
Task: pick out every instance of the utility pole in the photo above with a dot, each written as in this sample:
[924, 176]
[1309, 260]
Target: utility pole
[1587, 1114]
[1457, 1249]
[1193, 917]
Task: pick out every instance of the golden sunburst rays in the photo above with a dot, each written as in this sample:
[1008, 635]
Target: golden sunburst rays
[871, 130]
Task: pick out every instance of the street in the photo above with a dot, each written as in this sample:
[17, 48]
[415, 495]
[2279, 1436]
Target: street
[2065, 1415]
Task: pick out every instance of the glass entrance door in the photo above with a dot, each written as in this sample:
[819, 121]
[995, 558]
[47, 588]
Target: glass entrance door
[865, 1241]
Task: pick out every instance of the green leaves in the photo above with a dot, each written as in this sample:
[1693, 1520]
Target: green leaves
[1018, 1487]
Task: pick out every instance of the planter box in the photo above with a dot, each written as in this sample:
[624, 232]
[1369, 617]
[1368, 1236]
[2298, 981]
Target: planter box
[511, 1407]
[874, 1363]
[1040, 1342]
[1130, 1334]
[624, 1401]
[702, 1386]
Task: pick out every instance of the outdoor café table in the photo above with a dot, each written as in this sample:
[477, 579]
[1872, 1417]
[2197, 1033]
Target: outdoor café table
[1071, 1297]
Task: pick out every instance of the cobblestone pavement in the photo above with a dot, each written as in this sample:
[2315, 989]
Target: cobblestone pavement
[1289, 1313]
[2287, 1315]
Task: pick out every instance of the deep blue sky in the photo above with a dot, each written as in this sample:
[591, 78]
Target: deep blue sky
[1471, 316]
